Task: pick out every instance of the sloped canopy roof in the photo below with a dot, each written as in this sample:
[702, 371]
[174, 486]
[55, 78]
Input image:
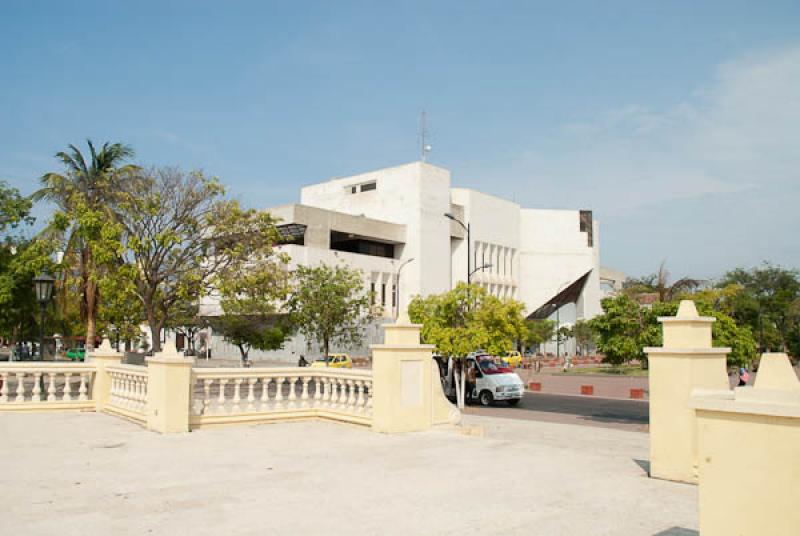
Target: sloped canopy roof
[568, 295]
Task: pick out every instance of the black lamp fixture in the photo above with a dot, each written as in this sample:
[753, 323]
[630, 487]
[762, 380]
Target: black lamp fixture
[43, 285]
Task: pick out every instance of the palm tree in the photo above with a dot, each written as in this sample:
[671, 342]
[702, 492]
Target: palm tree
[659, 286]
[91, 187]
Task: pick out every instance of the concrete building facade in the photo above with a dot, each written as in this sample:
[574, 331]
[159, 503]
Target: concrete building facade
[378, 220]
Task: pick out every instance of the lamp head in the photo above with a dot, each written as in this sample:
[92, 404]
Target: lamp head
[43, 285]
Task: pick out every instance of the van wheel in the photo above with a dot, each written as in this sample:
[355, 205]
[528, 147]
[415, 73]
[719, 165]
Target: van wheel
[513, 401]
[486, 398]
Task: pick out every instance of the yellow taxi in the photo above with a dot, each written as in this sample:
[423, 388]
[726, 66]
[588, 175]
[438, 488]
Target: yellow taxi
[334, 361]
[514, 359]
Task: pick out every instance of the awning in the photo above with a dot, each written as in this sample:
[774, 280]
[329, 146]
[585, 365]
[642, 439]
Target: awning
[568, 295]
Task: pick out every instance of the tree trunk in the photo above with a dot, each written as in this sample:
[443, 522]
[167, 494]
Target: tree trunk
[463, 385]
[155, 333]
[325, 346]
[91, 314]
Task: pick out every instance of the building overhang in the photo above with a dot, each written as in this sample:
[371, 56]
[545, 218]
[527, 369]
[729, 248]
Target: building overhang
[295, 219]
[571, 294]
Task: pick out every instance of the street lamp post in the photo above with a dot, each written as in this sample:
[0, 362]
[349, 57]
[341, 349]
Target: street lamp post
[397, 289]
[43, 285]
[466, 227]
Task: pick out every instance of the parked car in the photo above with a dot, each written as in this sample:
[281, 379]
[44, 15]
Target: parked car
[76, 354]
[514, 359]
[334, 361]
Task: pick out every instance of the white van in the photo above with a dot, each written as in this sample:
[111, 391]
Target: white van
[491, 382]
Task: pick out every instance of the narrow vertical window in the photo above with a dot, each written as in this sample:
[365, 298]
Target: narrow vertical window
[372, 293]
[383, 294]
[394, 296]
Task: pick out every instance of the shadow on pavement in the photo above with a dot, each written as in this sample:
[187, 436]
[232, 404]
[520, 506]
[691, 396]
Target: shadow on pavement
[644, 464]
[677, 531]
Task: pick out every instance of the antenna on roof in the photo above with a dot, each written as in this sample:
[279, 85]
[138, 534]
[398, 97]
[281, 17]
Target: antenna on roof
[424, 147]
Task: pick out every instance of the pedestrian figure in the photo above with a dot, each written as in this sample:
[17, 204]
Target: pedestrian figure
[744, 377]
[302, 361]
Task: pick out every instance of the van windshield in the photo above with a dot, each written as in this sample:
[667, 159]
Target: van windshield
[487, 365]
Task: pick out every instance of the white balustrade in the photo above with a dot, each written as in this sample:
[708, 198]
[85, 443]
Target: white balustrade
[45, 383]
[265, 391]
[128, 388]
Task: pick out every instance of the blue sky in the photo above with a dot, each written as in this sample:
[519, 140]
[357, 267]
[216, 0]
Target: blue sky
[678, 123]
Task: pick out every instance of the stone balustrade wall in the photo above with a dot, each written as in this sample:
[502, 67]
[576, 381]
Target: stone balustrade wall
[45, 386]
[128, 391]
[225, 395]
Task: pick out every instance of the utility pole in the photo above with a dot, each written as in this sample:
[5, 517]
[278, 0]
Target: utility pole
[424, 147]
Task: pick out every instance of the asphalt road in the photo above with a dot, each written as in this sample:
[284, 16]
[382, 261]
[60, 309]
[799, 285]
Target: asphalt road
[630, 415]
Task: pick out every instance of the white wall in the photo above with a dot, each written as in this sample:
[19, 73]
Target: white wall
[553, 254]
[416, 195]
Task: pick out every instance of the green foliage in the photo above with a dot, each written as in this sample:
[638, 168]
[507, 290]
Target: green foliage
[626, 328]
[328, 305]
[540, 331]
[468, 318]
[584, 336]
[83, 195]
[250, 299]
[767, 300]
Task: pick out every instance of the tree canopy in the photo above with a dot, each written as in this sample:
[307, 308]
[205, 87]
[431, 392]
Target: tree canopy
[329, 305]
[468, 318]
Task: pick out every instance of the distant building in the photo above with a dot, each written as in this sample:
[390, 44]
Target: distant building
[375, 221]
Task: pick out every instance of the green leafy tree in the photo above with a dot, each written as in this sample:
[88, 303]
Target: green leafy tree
[540, 331]
[82, 195]
[251, 296]
[768, 301]
[21, 260]
[583, 334]
[626, 328]
[465, 319]
[329, 305]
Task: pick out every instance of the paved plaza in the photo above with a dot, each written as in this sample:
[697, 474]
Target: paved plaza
[93, 474]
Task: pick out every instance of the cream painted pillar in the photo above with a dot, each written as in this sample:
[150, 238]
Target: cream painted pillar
[749, 462]
[685, 362]
[407, 393]
[101, 358]
[169, 390]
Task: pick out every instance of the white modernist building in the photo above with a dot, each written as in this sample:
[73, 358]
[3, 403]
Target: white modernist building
[410, 216]
[377, 221]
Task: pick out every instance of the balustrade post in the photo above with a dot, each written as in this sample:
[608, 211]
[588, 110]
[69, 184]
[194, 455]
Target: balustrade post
[251, 397]
[265, 390]
[20, 387]
[101, 359]
[169, 391]
[4, 389]
[51, 387]
[36, 395]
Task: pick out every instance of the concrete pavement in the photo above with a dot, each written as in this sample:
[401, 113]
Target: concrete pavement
[90, 474]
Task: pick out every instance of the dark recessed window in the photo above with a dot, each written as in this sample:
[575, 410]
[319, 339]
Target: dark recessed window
[355, 244]
[383, 294]
[366, 187]
[587, 227]
[353, 189]
[372, 293]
